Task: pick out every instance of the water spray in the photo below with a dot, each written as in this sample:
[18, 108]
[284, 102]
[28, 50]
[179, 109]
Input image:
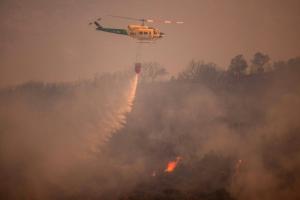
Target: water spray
[117, 120]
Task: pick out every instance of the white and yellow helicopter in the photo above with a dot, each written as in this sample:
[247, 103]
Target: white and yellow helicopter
[139, 32]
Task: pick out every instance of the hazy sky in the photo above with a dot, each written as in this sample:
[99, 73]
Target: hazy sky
[51, 40]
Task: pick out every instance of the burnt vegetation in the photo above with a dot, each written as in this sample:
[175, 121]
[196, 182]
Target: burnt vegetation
[236, 128]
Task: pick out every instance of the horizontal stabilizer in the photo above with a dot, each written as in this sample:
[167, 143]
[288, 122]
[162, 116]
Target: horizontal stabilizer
[97, 24]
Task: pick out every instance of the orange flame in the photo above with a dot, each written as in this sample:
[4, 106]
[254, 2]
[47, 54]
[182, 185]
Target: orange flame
[238, 165]
[172, 165]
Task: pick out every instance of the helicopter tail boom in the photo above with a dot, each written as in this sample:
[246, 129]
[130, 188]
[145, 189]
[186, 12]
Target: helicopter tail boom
[110, 30]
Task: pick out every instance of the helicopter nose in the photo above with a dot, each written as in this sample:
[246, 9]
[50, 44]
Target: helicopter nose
[161, 34]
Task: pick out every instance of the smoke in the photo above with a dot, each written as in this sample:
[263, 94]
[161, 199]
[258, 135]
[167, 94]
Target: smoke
[236, 139]
[255, 120]
[51, 134]
[271, 152]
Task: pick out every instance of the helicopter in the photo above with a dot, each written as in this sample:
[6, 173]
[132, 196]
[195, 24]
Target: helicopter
[139, 32]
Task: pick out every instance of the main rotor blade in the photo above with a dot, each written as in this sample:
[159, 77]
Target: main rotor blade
[147, 20]
[163, 21]
[123, 17]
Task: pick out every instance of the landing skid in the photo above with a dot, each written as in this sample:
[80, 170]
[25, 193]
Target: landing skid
[146, 42]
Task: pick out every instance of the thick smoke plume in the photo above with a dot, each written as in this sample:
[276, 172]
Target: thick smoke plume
[236, 134]
[50, 132]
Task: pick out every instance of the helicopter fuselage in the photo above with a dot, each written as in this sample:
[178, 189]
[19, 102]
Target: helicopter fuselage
[139, 32]
[142, 32]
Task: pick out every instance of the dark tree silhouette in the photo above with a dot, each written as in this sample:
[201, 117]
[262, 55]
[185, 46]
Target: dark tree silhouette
[199, 71]
[238, 65]
[258, 62]
[151, 71]
[279, 65]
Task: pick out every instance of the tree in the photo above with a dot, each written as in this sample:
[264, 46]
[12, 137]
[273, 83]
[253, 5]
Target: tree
[291, 64]
[294, 62]
[278, 65]
[238, 65]
[258, 62]
[199, 71]
[151, 71]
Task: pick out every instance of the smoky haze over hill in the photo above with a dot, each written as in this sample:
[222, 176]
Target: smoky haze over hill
[235, 130]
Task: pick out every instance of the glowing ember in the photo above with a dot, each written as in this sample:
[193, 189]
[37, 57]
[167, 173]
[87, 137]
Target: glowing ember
[153, 173]
[237, 167]
[172, 165]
